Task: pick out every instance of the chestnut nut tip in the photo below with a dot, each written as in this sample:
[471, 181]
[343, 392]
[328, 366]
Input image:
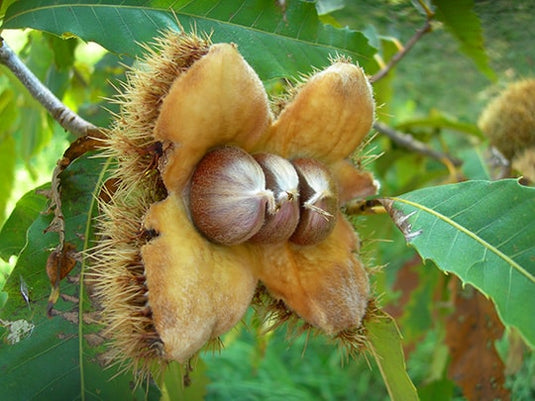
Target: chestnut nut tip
[282, 180]
[319, 202]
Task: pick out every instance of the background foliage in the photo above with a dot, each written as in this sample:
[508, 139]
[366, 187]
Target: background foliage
[436, 94]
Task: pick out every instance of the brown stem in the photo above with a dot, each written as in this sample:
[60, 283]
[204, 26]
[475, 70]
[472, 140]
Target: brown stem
[67, 118]
[61, 260]
[399, 55]
[409, 142]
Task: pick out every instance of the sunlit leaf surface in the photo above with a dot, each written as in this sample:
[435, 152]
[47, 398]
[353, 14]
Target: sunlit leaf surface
[277, 41]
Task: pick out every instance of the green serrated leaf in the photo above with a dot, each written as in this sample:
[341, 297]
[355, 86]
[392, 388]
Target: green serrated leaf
[482, 231]
[13, 234]
[62, 355]
[277, 41]
[463, 23]
[385, 342]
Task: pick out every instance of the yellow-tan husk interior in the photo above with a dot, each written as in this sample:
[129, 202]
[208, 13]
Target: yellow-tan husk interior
[118, 270]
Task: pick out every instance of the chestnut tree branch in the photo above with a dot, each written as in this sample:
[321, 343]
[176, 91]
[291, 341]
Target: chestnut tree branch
[88, 139]
[403, 52]
[67, 118]
[409, 142]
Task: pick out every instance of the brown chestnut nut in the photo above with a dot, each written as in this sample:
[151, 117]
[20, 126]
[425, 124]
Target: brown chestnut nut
[282, 180]
[318, 202]
[228, 196]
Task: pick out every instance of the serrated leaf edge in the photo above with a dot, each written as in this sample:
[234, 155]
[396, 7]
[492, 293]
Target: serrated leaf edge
[469, 233]
[176, 13]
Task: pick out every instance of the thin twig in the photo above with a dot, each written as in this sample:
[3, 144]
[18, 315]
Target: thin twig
[67, 118]
[409, 142]
[399, 55]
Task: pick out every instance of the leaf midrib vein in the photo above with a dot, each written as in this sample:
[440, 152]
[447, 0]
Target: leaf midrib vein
[470, 234]
[315, 42]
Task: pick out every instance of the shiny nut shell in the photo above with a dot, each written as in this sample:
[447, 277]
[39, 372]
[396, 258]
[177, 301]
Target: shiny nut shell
[282, 180]
[318, 202]
[228, 196]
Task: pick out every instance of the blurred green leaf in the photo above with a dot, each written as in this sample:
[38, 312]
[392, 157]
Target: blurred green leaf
[439, 390]
[90, 91]
[385, 342]
[438, 120]
[328, 6]
[58, 81]
[4, 4]
[32, 131]
[422, 6]
[63, 51]
[417, 318]
[437, 369]
[482, 231]
[7, 172]
[62, 355]
[58, 73]
[3, 298]
[475, 166]
[463, 23]
[174, 389]
[8, 109]
[277, 41]
[383, 89]
[405, 171]
[255, 365]
[37, 54]
[373, 37]
[13, 234]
